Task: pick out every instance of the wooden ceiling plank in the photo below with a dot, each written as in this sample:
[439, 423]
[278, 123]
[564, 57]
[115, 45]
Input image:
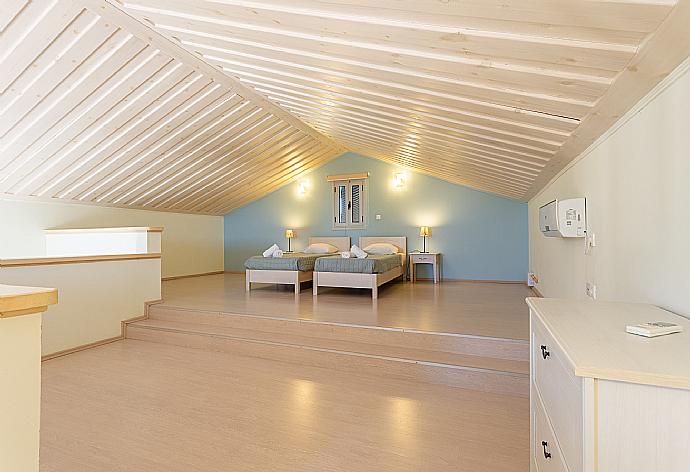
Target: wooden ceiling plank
[9, 11]
[473, 182]
[440, 153]
[203, 166]
[478, 122]
[573, 111]
[425, 146]
[285, 134]
[446, 103]
[247, 183]
[49, 60]
[413, 156]
[210, 123]
[303, 163]
[68, 96]
[211, 142]
[236, 159]
[55, 166]
[68, 53]
[460, 135]
[542, 102]
[493, 69]
[79, 106]
[257, 159]
[185, 121]
[257, 135]
[537, 16]
[395, 37]
[28, 22]
[457, 166]
[458, 179]
[425, 120]
[313, 116]
[630, 15]
[115, 12]
[314, 160]
[658, 58]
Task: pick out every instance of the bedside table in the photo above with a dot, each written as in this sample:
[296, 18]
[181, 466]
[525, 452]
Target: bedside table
[433, 258]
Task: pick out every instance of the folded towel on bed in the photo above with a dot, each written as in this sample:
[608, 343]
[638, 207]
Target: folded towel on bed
[357, 251]
[346, 254]
[269, 252]
[278, 253]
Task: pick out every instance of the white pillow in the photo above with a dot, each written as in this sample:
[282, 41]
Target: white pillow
[381, 248]
[321, 248]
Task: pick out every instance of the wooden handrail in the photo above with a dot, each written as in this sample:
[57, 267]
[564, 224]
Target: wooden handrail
[17, 300]
[36, 261]
[123, 229]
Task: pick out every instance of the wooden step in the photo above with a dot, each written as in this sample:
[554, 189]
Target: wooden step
[458, 370]
[479, 346]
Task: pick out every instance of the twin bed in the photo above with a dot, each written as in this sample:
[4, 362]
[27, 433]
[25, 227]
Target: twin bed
[331, 270]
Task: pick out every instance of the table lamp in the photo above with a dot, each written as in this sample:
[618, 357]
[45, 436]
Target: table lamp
[425, 232]
[289, 234]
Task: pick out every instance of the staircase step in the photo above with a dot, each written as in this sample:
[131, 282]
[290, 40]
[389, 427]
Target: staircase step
[476, 346]
[458, 370]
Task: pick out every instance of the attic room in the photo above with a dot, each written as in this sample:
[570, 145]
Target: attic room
[344, 235]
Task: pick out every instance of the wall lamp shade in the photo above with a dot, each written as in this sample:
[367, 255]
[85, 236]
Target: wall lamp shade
[289, 234]
[425, 232]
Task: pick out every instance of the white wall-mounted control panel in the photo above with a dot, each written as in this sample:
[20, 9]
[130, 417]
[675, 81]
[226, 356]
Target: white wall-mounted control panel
[564, 218]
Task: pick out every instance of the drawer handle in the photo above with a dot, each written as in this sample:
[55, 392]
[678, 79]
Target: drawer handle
[547, 454]
[544, 352]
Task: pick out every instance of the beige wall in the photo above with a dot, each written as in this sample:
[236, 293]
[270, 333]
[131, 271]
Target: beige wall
[20, 392]
[192, 244]
[637, 185]
[93, 298]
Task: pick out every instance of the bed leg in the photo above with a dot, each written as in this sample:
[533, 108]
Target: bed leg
[247, 283]
[375, 291]
[315, 284]
[298, 287]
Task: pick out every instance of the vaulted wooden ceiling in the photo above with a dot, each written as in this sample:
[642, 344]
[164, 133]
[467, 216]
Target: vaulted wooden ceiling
[204, 105]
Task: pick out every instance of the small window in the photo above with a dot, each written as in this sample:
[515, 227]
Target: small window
[349, 204]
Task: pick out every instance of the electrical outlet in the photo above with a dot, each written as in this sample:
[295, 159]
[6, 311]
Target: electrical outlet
[378, 217]
[591, 290]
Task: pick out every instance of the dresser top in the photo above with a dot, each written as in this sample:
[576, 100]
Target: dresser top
[592, 334]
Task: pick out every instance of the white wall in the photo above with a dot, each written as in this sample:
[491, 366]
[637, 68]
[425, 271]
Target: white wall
[192, 244]
[637, 184]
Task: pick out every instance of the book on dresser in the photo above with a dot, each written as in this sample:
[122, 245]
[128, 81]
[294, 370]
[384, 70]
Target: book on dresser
[602, 399]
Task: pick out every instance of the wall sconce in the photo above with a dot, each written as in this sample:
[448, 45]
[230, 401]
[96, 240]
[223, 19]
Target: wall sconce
[301, 188]
[399, 180]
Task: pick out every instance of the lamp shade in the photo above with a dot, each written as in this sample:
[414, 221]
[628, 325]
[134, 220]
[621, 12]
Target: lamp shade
[424, 231]
[289, 233]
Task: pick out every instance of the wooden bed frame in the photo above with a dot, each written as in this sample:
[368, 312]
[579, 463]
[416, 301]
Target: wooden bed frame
[371, 281]
[294, 277]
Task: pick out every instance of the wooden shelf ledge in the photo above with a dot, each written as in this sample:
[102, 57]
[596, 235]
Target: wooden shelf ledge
[17, 300]
[124, 229]
[37, 261]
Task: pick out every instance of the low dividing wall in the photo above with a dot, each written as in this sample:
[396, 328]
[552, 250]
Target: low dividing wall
[96, 294]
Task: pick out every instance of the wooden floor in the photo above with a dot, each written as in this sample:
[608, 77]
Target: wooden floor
[145, 407]
[481, 309]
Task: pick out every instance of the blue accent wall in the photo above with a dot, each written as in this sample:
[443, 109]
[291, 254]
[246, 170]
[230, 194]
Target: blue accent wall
[481, 236]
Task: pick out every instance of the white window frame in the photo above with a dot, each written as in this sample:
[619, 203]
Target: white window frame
[363, 204]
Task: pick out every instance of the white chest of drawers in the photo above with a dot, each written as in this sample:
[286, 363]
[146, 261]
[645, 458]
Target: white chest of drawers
[603, 400]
